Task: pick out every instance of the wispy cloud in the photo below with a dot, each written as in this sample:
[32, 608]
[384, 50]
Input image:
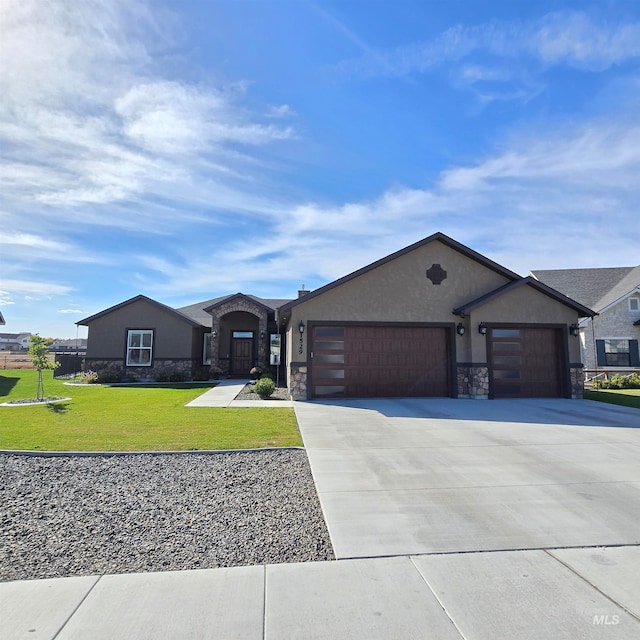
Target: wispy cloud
[70, 311]
[87, 117]
[482, 56]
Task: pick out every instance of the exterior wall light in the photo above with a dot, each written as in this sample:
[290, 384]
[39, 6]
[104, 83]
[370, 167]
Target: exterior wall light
[214, 334]
[460, 329]
[574, 330]
[301, 330]
[262, 335]
[482, 329]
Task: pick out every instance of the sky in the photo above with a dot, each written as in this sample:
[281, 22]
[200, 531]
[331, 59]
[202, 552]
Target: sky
[190, 149]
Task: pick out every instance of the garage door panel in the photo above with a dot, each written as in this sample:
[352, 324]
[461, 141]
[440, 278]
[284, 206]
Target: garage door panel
[383, 361]
[526, 362]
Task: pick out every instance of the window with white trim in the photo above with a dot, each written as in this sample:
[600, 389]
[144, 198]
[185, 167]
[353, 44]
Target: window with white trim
[206, 349]
[634, 304]
[139, 347]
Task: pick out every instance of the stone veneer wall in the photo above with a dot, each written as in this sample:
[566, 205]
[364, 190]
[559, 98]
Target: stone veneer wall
[238, 304]
[577, 381]
[191, 369]
[473, 382]
[298, 380]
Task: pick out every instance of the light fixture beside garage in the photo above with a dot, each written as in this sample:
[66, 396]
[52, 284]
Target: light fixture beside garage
[460, 329]
[301, 330]
[482, 329]
[574, 330]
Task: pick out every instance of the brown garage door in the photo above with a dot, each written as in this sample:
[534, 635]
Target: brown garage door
[525, 362]
[380, 361]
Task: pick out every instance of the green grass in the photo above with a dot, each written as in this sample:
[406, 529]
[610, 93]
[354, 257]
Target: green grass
[624, 397]
[150, 418]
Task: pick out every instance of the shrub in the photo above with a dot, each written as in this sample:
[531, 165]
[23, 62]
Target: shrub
[215, 372]
[109, 375]
[265, 387]
[169, 375]
[619, 381]
[256, 372]
[268, 376]
[89, 377]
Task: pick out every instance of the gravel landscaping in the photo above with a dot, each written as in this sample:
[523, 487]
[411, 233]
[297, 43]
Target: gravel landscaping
[71, 516]
[248, 393]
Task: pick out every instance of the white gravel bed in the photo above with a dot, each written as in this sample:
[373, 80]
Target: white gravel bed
[71, 516]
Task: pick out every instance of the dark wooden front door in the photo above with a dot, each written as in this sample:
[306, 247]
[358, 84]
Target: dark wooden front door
[526, 362]
[241, 356]
[380, 361]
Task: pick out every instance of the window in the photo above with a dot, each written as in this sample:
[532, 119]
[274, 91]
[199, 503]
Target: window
[139, 347]
[243, 334]
[634, 304]
[617, 353]
[206, 349]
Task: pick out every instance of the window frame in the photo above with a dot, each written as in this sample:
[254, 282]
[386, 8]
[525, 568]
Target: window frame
[635, 299]
[617, 353]
[129, 347]
[206, 335]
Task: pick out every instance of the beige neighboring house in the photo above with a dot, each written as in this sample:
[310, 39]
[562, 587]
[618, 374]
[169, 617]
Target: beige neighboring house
[435, 319]
[609, 340]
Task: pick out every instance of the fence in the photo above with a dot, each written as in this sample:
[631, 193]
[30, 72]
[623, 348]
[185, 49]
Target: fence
[70, 364]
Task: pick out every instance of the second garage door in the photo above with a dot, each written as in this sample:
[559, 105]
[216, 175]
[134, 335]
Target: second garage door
[380, 361]
[526, 362]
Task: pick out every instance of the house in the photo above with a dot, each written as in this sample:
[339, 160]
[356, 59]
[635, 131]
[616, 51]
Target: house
[609, 340]
[2, 319]
[433, 319]
[14, 341]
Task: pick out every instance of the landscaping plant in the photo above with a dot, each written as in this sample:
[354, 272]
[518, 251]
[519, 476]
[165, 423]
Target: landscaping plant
[41, 362]
[265, 387]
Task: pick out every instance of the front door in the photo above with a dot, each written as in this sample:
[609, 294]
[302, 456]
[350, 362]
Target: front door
[241, 356]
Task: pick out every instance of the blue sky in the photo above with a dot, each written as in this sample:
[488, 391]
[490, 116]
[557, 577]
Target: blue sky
[186, 150]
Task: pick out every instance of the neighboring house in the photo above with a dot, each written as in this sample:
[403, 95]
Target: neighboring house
[14, 341]
[2, 318]
[609, 340]
[433, 319]
[68, 344]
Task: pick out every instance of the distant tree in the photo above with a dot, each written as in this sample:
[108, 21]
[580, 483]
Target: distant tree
[39, 357]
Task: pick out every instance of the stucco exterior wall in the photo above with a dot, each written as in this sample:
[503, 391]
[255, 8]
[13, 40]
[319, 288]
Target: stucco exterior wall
[173, 337]
[523, 305]
[615, 322]
[399, 291]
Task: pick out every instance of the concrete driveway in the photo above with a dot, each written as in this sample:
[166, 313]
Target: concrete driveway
[416, 476]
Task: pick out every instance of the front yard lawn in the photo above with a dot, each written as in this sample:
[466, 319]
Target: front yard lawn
[101, 418]
[624, 397]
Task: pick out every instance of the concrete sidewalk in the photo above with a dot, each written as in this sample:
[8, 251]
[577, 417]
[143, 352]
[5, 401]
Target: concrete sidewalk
[569, 593]
[225, 392]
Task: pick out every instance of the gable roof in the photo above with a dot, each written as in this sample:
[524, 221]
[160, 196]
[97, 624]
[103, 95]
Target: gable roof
[596, 288]
[583, 312]
[138, 298]
[439, 236]
[2, 318]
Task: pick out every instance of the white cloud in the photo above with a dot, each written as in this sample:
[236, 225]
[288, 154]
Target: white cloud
[70, 311]
[89, 119]
[575, 39]
[25, 287]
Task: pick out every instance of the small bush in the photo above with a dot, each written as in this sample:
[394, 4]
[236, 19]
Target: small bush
[89, 377]
[268, 376]
[256, 372]
[619, 381]
[265, 387]
[109, 375]
[169, 375]
[215, 373]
